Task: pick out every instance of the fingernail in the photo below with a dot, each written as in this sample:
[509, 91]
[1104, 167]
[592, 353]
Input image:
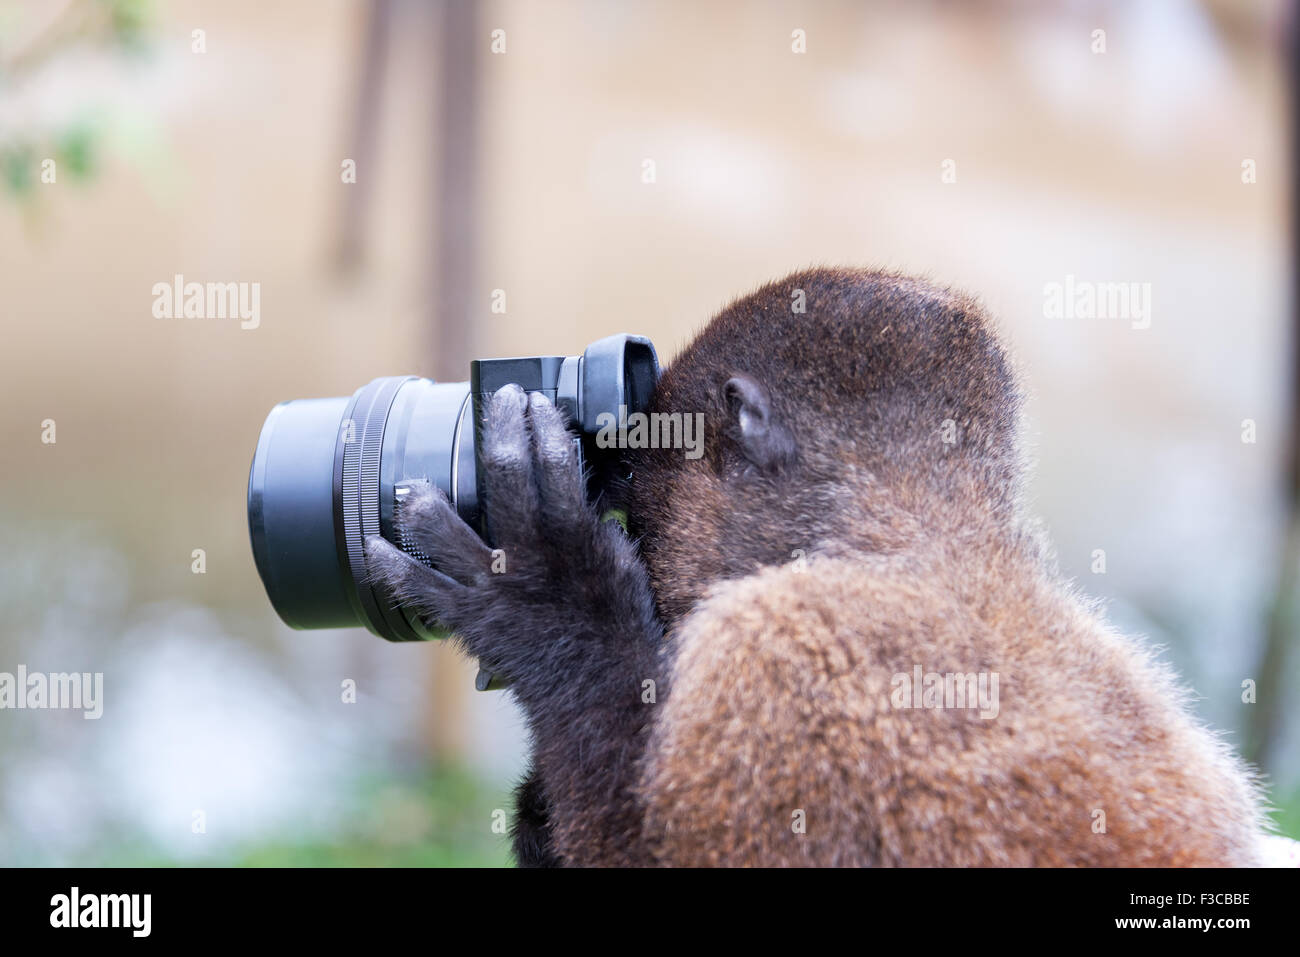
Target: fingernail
[511, 388]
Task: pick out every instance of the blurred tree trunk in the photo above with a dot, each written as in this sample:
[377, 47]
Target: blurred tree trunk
[455, 213]
[364, 134]
[452, 296]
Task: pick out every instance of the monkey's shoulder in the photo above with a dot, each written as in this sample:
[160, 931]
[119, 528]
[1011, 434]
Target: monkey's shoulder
[818, 618]
[890, 692]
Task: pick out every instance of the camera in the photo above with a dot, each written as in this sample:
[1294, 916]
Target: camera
[327, 473]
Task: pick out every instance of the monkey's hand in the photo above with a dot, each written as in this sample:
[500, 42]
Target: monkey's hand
[561, 588]
[561, 608]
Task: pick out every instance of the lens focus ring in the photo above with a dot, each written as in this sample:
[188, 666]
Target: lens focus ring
[356, 479]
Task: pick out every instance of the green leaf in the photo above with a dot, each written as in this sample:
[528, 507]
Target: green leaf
[76, 151]
[18, 168]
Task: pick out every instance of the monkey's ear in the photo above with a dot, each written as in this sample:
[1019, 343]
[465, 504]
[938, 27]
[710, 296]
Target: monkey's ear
[764, 440]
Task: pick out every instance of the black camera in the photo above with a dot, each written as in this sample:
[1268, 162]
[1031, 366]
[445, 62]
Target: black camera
[329, 472]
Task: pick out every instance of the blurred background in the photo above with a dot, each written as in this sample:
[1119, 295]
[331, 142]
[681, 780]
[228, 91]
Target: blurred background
[387, 171]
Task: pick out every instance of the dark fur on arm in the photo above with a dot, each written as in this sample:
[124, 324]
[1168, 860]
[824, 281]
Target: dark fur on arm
[562, 609]
[530, 832]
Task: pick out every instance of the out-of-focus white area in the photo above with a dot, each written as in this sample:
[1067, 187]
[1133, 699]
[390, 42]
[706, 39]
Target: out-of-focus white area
[199, 716]
[1280, 851]
[1122, 166]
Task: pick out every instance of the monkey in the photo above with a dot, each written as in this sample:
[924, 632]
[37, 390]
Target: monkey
[723, 682]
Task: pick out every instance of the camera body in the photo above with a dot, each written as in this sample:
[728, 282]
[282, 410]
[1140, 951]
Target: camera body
[327, 473]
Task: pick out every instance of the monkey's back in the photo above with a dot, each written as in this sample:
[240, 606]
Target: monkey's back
[791, 736]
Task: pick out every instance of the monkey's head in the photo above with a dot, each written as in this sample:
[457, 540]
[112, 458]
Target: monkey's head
[842, 410]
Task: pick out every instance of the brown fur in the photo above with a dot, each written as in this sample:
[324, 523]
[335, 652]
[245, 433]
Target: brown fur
[791, 599]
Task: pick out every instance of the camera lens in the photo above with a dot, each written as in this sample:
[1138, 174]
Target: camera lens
[327, 473]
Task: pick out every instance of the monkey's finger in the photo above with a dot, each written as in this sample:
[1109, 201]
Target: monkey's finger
[559, 476]
[510, 504]
[426, 520]
[434, 596]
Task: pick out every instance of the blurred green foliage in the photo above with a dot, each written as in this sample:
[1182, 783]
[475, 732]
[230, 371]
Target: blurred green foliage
[1287, 815]
[18, 167]
[129, 21]
[75, 151]
[119, 25]
[452, 813]
[437, 818]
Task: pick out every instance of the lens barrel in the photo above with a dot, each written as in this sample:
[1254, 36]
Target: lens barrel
[327, 473]
[291, 514]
